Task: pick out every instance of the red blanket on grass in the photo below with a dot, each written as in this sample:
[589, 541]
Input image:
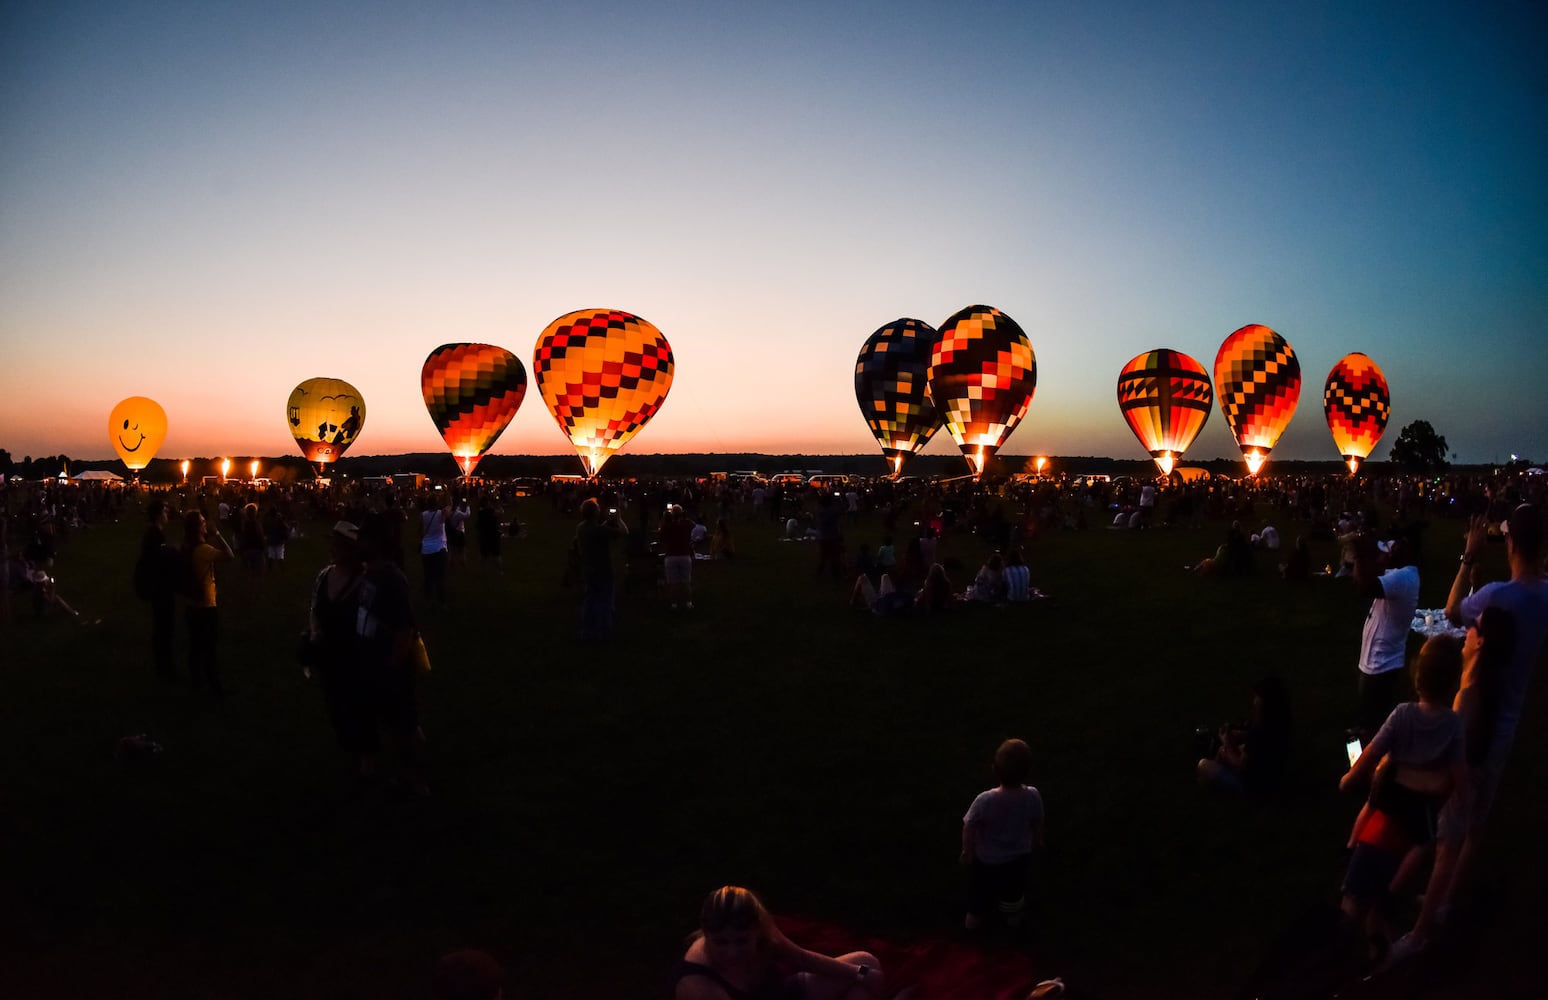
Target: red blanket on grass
[937, 969]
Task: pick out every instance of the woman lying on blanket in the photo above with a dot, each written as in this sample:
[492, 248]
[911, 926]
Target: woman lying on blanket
[738, 954]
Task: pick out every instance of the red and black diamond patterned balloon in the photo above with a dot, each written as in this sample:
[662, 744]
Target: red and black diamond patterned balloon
[982, 377]
[1258, 383]
[472, 391]
[892, 386]
[603, 374]
[1357, 405]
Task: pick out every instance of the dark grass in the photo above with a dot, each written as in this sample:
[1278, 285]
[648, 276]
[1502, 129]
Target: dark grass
[586, 799]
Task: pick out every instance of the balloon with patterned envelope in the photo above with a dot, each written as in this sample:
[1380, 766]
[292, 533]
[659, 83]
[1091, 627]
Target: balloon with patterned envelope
[892, 386]
[472, 391]
[603, 374]
[1357, 404]
[137, 426]
[1258, 383]
[1165, 396]
[982, 377]
[325, 416]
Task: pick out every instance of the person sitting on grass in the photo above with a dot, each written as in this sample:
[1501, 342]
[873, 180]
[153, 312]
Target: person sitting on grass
[1250, 760]
[999, 831]
[989, 585]
[1018, 578]
[739, 954]
[1232, 558]
[935, 593]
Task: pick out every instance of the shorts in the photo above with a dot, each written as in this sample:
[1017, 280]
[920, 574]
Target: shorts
[997, 887]
[1370, 872]
[678, 569]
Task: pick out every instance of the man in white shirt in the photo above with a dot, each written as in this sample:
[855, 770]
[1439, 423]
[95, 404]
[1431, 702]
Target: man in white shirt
[1384, 644]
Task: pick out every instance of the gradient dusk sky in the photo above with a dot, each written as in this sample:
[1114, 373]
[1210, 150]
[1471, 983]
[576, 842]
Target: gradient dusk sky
[207, 203]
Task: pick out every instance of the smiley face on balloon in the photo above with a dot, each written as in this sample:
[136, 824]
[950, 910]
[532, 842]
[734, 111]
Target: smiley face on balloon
[137, 426]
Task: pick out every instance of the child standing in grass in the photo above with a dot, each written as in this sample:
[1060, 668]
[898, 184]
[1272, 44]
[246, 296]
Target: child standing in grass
[1001, 828]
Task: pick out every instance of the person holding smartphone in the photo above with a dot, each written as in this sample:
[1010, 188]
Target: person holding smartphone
[594, 538]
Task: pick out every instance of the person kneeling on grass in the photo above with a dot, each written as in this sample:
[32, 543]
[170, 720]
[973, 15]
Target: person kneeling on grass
[1001, 828]
[739, 954]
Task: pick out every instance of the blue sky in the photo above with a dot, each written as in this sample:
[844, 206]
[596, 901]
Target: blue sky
[208, 203]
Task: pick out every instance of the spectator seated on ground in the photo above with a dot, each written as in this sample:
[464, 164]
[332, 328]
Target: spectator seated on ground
[935, 593]
[1232, 558]
[1268, 538]
[1250, 760]
[989, 585]
[1018, 578]
[884, 600]
[1298, 566]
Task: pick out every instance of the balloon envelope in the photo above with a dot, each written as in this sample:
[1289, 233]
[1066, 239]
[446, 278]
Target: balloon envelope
[137, 426]
[1258, 383]
[472, 391]
[603, 374]
[1165, 396]
[892, 386]
[325, 416]
[1357, 405]
[982, 377]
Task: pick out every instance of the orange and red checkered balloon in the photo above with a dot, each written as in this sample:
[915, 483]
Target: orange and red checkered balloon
[603, 374]
[1357, 405]
[325, 415]
[472, 391]
[892, 387]
[1165, 396]
[1258, 383]
[982, 377]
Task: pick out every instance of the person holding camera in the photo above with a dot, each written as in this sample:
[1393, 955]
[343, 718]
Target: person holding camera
[594, 538]
[1384, 573]
[677, 556]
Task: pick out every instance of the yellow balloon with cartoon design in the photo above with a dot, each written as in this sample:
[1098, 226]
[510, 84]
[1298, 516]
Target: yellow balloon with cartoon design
[137, 426]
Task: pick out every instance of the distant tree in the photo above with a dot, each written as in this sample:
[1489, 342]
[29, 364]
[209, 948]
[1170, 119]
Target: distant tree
[6, 465]
[1419, 449]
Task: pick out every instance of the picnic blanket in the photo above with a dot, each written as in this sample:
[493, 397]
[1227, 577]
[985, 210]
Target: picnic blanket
[937, 968]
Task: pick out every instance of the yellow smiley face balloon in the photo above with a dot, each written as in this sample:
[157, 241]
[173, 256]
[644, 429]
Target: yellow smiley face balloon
[137, 426]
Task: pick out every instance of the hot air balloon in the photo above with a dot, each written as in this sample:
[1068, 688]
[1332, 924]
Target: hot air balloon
[603, 374]
[1258, 382]
[137, 426]
[982, 376]
[324, 415]
[1165, 397]
[1357, 405]
[472, 391]
[893, 389]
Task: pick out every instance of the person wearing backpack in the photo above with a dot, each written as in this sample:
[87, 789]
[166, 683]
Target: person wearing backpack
[154, 582]
[199, 561]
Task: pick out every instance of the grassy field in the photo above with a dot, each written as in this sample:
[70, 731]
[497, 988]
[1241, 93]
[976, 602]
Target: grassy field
[586, 799]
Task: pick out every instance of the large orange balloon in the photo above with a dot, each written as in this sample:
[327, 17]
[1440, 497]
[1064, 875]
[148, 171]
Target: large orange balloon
[1258, 383]
[603, 374]
[137, 426]
[1357, 404]
[325, 416]
[472, 391]
[982, 377]
[1165, 397]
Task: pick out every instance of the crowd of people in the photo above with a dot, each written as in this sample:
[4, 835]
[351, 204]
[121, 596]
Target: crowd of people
[1428, 767]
